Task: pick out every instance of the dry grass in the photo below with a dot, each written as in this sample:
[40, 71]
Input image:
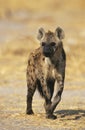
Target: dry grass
[19, 50]
[13, 62]
[71, 115]
[9, 6]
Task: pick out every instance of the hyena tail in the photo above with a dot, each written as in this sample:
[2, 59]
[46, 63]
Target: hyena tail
[39, 88]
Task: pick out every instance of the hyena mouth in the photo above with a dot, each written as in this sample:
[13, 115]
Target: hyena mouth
[48, 54]
[48, 51]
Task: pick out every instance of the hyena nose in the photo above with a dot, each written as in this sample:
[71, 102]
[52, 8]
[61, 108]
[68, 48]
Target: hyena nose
[47, 49]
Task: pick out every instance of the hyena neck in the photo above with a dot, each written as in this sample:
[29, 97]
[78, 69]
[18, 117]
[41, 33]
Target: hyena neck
[56, 57]
[51, 61]
[54, 60]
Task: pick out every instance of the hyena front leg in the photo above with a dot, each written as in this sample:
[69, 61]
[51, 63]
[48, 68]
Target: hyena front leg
[30, 93]
[47, 105]
[57, 98]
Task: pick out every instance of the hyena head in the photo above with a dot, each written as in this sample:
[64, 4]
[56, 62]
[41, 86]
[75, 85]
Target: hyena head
[50, 41]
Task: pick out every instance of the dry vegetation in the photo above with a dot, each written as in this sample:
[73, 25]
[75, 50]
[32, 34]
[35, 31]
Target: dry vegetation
[17, 39]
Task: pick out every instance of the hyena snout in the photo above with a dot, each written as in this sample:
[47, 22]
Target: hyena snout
[48, 50]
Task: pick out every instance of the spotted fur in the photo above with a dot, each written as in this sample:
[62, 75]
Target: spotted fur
[43, 72]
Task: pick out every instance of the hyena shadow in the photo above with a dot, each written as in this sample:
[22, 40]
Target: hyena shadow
[71, 114]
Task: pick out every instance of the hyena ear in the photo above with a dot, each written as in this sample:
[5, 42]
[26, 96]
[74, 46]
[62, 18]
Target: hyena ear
[59, 33]
[41, 34]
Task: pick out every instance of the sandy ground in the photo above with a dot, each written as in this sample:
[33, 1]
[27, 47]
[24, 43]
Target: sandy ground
[17, 38]
[70, 112]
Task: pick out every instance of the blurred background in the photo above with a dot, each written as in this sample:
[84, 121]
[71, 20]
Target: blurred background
[19, 24]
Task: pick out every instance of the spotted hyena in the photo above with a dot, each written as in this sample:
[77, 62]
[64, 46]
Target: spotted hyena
[46, 69]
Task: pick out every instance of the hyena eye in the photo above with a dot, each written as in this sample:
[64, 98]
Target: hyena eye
[52, 43]
[43, 43]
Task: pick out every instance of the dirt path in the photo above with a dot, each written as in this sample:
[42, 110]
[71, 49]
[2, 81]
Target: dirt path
[70, 112]
[17, 39]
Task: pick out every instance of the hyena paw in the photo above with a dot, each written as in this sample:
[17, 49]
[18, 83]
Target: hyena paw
[30, 112]
[53, 117]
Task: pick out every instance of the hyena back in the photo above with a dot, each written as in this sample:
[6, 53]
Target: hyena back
[46, 66]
